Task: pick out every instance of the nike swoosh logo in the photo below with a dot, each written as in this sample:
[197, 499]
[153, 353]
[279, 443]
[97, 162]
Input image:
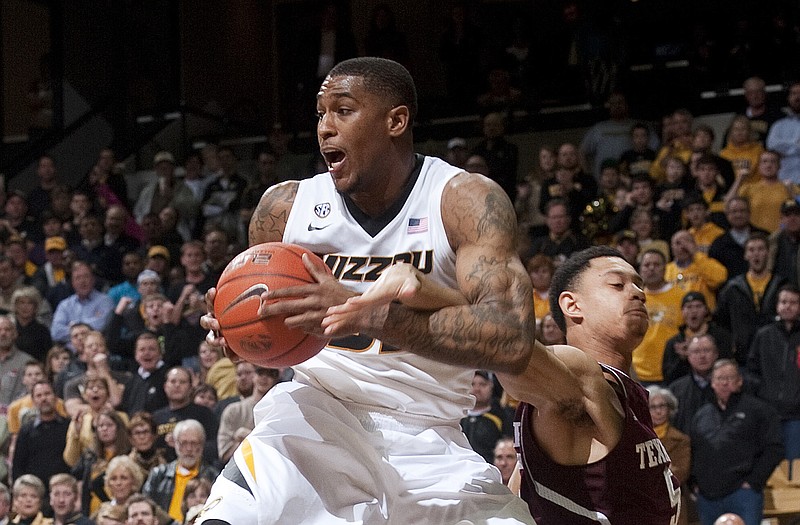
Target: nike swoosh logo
[313, 228]
[254, 291]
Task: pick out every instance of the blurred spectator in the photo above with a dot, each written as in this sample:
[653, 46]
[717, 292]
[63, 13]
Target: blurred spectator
[85, 418]
[550, 333]
[626, 243]
[64, 495]
[742, 149]
[77, 365]
[110, 438]
[560, 240]
[692, 270]
[144, 452]
[540, 269]
[709, 188]
[207, 356]
[760, 113]
[487, 421]
[501, 155]
[748, 301]
[17, 220]
[80, 205]
[193, 255]
[702, 144]
[237, 418]
[736, 444]
[774, 369]
[205, 396]
[23, 409]
[38, 198]
[729, 247]
[768, 193]
[194, 499]
[529, 192]
[166, 483]
[693, 390]
[679, 144]
[703, 231]
[784, 243]
[86, 305]
[41, 441]
[91, 248]
[122, 479]
[33, 337]
[29, 492]
[12, 363]
[117, 241]
[664, 310]
[132, 266]
[180, 407]
[216, 242]
[95, 354]
[784, 137]
[265, 177]
[663, 404]
[222, 376]
[505, 458]
[144, 391]
[641, 223]
[195, 175]
[54, 271]
[638, 159]
[677, 184]
[165, 191]
[457, 152]
[158, 260]
[222, 198]
[477, 164]
[57, 359]
[611, 138]
[245, 379]
[696, 322]
[641, 197]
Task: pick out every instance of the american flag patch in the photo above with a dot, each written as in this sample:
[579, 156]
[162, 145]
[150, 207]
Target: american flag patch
[417, 225]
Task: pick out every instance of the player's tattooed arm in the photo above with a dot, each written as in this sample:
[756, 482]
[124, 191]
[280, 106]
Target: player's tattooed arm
[269, 217]
[496, 329]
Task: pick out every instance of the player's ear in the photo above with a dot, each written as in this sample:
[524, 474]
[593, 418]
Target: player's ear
[569, 306]
[399, 119]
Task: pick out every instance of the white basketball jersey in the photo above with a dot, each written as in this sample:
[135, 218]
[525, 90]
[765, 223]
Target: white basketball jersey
[359, 369]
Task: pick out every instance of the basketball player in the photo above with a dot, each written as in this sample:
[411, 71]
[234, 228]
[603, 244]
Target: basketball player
[588, 449]
[368, 432]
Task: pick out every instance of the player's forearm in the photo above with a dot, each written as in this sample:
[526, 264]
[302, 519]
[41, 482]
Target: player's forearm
[474, 336]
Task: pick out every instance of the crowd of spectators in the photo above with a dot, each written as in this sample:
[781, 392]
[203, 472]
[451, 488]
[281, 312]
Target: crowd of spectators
[108, 390]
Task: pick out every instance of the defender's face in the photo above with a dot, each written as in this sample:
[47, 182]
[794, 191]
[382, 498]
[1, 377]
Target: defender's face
[353, 133]
[611, 299]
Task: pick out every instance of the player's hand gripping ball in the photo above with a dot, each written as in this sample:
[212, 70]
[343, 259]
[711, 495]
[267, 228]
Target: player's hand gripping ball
[263, 341]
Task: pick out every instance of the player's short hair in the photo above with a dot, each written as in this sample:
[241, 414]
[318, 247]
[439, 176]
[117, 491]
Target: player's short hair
[567, 276]
[382, 77]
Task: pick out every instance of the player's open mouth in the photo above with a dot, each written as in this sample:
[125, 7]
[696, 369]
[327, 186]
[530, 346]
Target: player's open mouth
[333, 158]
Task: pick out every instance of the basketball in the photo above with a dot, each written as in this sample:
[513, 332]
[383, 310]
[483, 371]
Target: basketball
[266, 341]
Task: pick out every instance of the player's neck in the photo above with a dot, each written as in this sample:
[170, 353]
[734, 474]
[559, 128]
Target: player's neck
[602, 350]
[377, 199]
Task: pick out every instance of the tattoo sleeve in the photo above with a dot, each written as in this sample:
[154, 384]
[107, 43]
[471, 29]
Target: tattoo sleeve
[269, 217]
[496, 330]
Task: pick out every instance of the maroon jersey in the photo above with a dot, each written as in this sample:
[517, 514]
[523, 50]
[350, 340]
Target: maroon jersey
[632, 485]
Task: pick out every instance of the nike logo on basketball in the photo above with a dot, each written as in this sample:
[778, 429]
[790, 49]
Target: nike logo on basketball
[313, 228]
[254, 291]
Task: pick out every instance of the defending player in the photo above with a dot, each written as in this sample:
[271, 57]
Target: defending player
[588, 449]
[369, 430]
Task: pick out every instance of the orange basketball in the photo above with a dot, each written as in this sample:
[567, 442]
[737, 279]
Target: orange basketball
[263, 341]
